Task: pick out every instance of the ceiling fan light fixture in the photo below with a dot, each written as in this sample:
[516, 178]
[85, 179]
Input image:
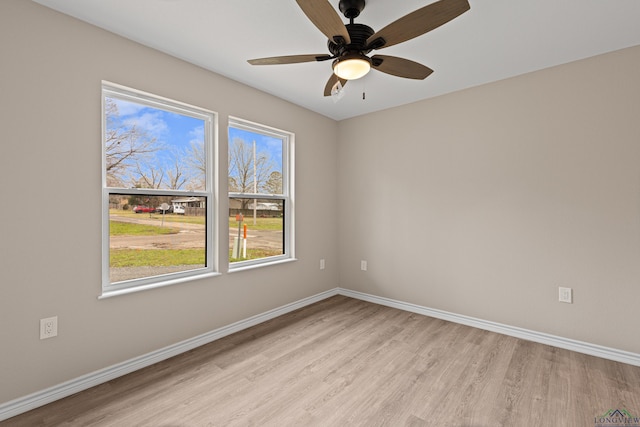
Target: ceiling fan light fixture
[351, 67]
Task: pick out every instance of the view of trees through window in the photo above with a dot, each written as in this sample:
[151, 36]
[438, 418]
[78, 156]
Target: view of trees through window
[156, 178]
[146, 147]
[257, 194]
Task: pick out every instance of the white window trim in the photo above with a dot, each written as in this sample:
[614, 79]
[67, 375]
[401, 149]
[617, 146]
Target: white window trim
[288, 190]
[210, 119]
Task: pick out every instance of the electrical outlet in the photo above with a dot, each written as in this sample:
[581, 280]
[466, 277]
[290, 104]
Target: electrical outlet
[565, 295]
[48, 327]
[322, 264]
[363, 265]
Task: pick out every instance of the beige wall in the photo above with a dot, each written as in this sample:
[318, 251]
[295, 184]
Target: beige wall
[484, 201]
[51, 70]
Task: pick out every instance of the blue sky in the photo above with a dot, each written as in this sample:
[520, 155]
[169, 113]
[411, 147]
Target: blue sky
[267, 143]
[169, 129]
[179, 131]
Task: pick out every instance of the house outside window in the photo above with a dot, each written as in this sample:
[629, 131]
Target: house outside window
[159, 202]
[261, 202]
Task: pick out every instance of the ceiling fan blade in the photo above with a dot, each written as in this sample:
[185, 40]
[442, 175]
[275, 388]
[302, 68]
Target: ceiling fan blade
[331, 83]
[418, 22]
[326, 19]
[400, 67]
[289, 59]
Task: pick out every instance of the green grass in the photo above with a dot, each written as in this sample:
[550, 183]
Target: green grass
[155, 257]
[255, 254]
[261, 223]
[170, 257]
[117, 228]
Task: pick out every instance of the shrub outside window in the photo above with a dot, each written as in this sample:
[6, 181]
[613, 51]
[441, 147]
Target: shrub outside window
[158, 191]
[261, 208]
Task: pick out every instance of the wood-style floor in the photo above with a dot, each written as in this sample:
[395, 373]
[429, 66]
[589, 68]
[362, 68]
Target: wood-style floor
[345, 362]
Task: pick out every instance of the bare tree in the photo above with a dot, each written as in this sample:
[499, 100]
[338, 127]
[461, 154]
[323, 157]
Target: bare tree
[196, 163]
[125, 147]
[177, 176]
[246, 174]
[274, 183]
[147, 177]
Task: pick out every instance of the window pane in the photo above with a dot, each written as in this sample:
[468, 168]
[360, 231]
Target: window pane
[148, 147]
[260, 172]
[255, 162]
[256, 228]
[152, 235]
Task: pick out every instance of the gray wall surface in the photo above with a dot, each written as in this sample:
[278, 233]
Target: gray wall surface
[483, 202]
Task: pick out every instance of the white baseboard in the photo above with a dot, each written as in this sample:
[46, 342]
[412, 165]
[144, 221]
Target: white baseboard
[35, 400]
[553, 340]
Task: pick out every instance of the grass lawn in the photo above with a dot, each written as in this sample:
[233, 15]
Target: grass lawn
[261, 223]
[255, 254]
[172, 257]
[117, 228]
[156, 257]
[169, 257]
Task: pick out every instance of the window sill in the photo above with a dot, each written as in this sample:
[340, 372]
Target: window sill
[259, 265]
[118, 292]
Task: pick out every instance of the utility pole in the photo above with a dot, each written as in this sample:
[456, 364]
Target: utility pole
[255, 184]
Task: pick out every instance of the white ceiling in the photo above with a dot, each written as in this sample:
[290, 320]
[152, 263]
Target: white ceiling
[496, 39]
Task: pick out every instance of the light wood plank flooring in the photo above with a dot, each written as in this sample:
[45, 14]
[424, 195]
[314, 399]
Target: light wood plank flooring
[345, 362]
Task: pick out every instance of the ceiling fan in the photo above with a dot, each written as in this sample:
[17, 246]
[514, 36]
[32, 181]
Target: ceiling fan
[349, 44]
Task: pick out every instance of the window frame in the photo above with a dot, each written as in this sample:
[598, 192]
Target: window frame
[210, 192]
[287, 196]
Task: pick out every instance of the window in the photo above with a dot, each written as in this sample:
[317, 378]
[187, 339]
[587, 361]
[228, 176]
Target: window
[261, 209]
[158, 191]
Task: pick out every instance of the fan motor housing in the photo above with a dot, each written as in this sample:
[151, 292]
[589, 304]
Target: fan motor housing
[359, 33]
